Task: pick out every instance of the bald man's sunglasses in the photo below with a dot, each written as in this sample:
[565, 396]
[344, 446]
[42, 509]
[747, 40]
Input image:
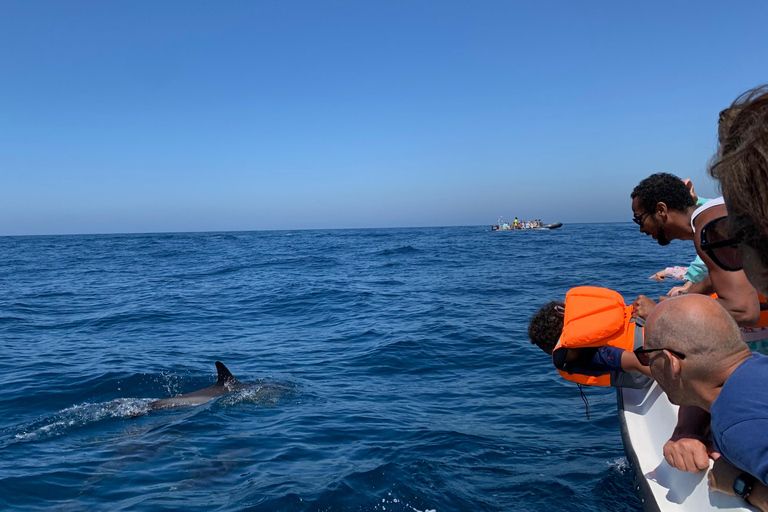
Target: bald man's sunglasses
[720, 246]
[645, 360]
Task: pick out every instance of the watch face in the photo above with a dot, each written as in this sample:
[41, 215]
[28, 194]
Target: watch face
[742, 486]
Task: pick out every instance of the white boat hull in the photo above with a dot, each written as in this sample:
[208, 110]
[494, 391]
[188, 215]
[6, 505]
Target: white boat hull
[647, 421]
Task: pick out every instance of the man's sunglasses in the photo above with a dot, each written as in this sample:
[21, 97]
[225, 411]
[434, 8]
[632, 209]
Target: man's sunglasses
[718, 245]
[639, 220]
[645, 360]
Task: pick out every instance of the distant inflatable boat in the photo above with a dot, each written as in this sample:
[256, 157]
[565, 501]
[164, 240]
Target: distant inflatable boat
[505, 226]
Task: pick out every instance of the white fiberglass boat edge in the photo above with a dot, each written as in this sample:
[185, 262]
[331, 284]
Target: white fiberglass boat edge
[647, 420]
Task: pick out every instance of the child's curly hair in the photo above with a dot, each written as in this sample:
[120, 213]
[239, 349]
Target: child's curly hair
[546, 326]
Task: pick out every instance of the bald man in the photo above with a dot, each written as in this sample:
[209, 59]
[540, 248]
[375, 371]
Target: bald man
[695, 352]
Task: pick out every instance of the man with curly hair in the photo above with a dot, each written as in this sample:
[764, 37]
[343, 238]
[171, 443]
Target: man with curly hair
[664, 209]
[678, 205]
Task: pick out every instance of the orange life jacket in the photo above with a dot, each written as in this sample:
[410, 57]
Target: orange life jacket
[763, 322]
[756, 335]
[598, 317]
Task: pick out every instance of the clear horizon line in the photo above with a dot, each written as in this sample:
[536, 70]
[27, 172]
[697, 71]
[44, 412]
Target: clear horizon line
[114, 233]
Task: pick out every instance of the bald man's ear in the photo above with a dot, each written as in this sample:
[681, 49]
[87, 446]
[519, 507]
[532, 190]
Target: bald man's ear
[674, 364]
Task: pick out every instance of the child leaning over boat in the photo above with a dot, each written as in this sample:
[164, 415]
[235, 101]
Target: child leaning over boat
[590, 337]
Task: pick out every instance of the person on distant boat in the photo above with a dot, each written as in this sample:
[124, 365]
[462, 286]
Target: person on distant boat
[515, 224]
[695, 352]
[590, 337]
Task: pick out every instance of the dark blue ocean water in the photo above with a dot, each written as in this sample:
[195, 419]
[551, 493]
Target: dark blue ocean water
[388, 370]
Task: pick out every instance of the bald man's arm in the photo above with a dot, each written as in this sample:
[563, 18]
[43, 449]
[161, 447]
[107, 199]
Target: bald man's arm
[723, 474]
[686, 450]
[733, 290]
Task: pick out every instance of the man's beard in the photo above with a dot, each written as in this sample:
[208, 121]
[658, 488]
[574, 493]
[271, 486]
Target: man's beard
[661, 237]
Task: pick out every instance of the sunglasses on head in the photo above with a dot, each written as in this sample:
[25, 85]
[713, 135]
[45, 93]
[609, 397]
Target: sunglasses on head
[717, 243]
[645, 360]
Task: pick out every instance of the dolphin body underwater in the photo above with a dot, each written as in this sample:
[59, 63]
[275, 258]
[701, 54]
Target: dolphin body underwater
[225, 384]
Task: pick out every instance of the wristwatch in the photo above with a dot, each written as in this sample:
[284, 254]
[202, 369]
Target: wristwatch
[743, 485]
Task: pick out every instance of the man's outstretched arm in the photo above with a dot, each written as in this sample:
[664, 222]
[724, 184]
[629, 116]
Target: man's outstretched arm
[686, 450]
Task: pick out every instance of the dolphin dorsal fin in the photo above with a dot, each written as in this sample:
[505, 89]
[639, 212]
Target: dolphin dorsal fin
[224, 373]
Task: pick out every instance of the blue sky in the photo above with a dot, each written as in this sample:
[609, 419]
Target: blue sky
[199, 116]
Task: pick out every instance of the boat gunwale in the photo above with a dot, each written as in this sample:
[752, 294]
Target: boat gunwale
[639, 483]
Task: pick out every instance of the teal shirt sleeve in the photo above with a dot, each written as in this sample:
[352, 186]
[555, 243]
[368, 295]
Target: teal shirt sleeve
[697, 271]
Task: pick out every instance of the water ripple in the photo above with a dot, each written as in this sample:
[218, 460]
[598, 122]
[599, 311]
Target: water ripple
[389, 370]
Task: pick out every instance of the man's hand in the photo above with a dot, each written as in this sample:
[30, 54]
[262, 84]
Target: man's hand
[680, 290]
[722, 475]
[686, 450]
[703, 287]
[687, 454]
[642, 306]
[659, 276]
[689, 186]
